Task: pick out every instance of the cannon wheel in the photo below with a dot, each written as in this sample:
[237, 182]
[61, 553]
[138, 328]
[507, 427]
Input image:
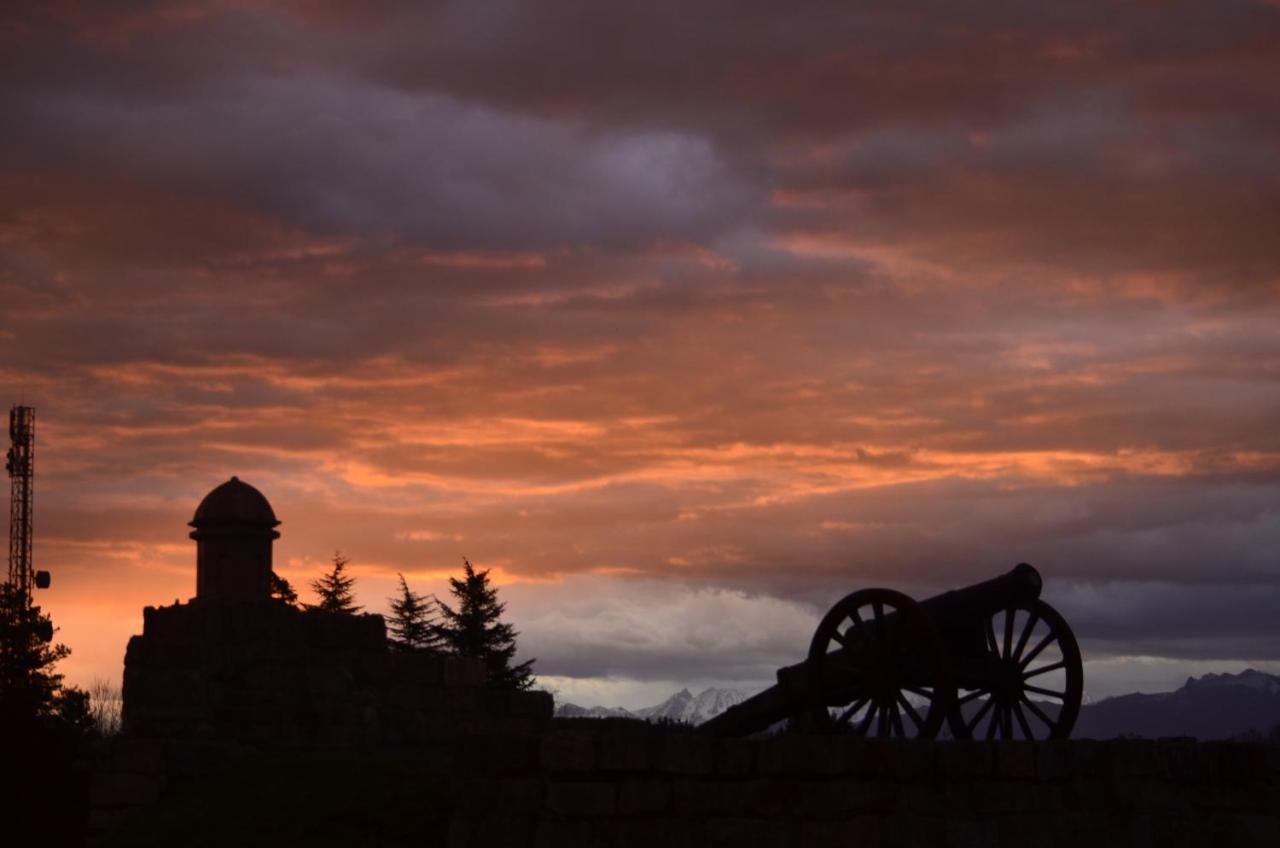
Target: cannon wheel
[1036, 679]
[892, 650]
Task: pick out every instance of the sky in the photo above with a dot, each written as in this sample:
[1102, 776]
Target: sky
[684, 319]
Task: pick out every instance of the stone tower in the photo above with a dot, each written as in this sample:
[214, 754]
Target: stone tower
[234, 528]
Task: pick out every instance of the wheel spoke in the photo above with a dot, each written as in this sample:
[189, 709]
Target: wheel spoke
[1022, 722]
[1026, 675]
[1008, 632]
[1061, 696]
[1044, 643]
[841, 638]
[897, 722]
[923, 693]
[866, 720]
[911, 711]
[991, 639]
[1027, 629]
[849, 713]
[991, 725]
[882, 723]
[976, 693]
[973, 725]
[1040, 714]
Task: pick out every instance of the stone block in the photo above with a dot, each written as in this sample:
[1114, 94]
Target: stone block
[1028, 830]
[1053, 759]
[918, 759]
[568, 750]
[1015, 760]
[736, 832]
[708, 797]
[858, 832]
[680, 753]
[865, 797]
[494, 831]
[973, 834]
[640, 797]
[625, 751]
[581, 799]
[1134, 757]
[112, 789]
[869, 757]
[505, 755]
[644, 833]
[1088, 759]
[559, 833]
[963, 758]
[506, 796]
[924, 798]
[800, 755]
[735, 757]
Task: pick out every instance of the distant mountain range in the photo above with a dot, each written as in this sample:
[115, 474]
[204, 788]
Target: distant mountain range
[682, 706]
[1215, 706]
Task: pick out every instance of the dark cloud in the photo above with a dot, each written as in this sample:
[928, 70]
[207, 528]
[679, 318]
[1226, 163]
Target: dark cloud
[732, 302]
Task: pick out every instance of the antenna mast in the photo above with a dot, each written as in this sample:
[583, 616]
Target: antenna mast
[19, 464]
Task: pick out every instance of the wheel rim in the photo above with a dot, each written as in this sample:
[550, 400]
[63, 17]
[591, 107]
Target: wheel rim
[1035, 681]
[878, 668]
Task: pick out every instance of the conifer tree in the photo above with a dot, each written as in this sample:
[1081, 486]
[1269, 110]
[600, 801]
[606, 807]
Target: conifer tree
[30, 689]
[474, 629]
[282, 590]
[412, 625]
[335, 588]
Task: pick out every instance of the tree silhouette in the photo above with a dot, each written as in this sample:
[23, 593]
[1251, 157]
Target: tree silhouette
[412, 626]
[474, 629]
[29, 687]
[335, 589]
[282, 590]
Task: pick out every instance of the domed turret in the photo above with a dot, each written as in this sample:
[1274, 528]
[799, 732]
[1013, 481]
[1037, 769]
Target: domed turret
[234, 528]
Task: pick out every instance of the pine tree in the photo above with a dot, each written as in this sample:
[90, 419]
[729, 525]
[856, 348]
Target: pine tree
[474, 629]
[29, 686]
[282, 590]
[335, 589]
[413, 627]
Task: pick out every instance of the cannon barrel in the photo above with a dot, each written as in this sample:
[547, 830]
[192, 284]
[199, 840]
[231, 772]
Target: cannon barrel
[953, 613]
[960, 607]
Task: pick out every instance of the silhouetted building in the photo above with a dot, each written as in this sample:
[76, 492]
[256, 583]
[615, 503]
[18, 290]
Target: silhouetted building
[234, 528]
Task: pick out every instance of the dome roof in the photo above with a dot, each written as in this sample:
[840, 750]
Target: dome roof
[234, 502]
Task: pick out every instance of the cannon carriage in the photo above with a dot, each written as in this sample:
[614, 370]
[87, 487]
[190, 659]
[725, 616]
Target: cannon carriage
[989, 661]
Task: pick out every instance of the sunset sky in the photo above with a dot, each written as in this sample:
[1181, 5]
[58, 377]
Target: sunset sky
[686, 319]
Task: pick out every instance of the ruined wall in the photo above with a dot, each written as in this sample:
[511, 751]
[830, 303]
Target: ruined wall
[266, 674]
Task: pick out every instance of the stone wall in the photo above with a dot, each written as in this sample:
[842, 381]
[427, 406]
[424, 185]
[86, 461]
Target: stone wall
[216, 695]
[266, 674]
[619, 785]
[210, 683]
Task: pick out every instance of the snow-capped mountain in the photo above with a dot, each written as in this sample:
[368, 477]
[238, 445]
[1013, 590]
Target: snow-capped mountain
[682, 706]
[1249, 678]
[685, 706]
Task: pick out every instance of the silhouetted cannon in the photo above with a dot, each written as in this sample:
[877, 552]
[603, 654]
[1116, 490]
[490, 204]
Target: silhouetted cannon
[882, 664]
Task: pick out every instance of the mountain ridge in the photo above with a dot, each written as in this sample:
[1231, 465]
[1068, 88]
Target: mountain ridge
[1212, 706]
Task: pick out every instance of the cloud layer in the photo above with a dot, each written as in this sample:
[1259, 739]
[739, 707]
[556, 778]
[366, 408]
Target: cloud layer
[728, 303]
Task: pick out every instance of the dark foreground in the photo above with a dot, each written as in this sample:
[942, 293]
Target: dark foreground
[618, 784]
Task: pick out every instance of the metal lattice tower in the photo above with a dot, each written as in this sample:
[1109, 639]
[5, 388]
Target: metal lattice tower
[22, 434]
